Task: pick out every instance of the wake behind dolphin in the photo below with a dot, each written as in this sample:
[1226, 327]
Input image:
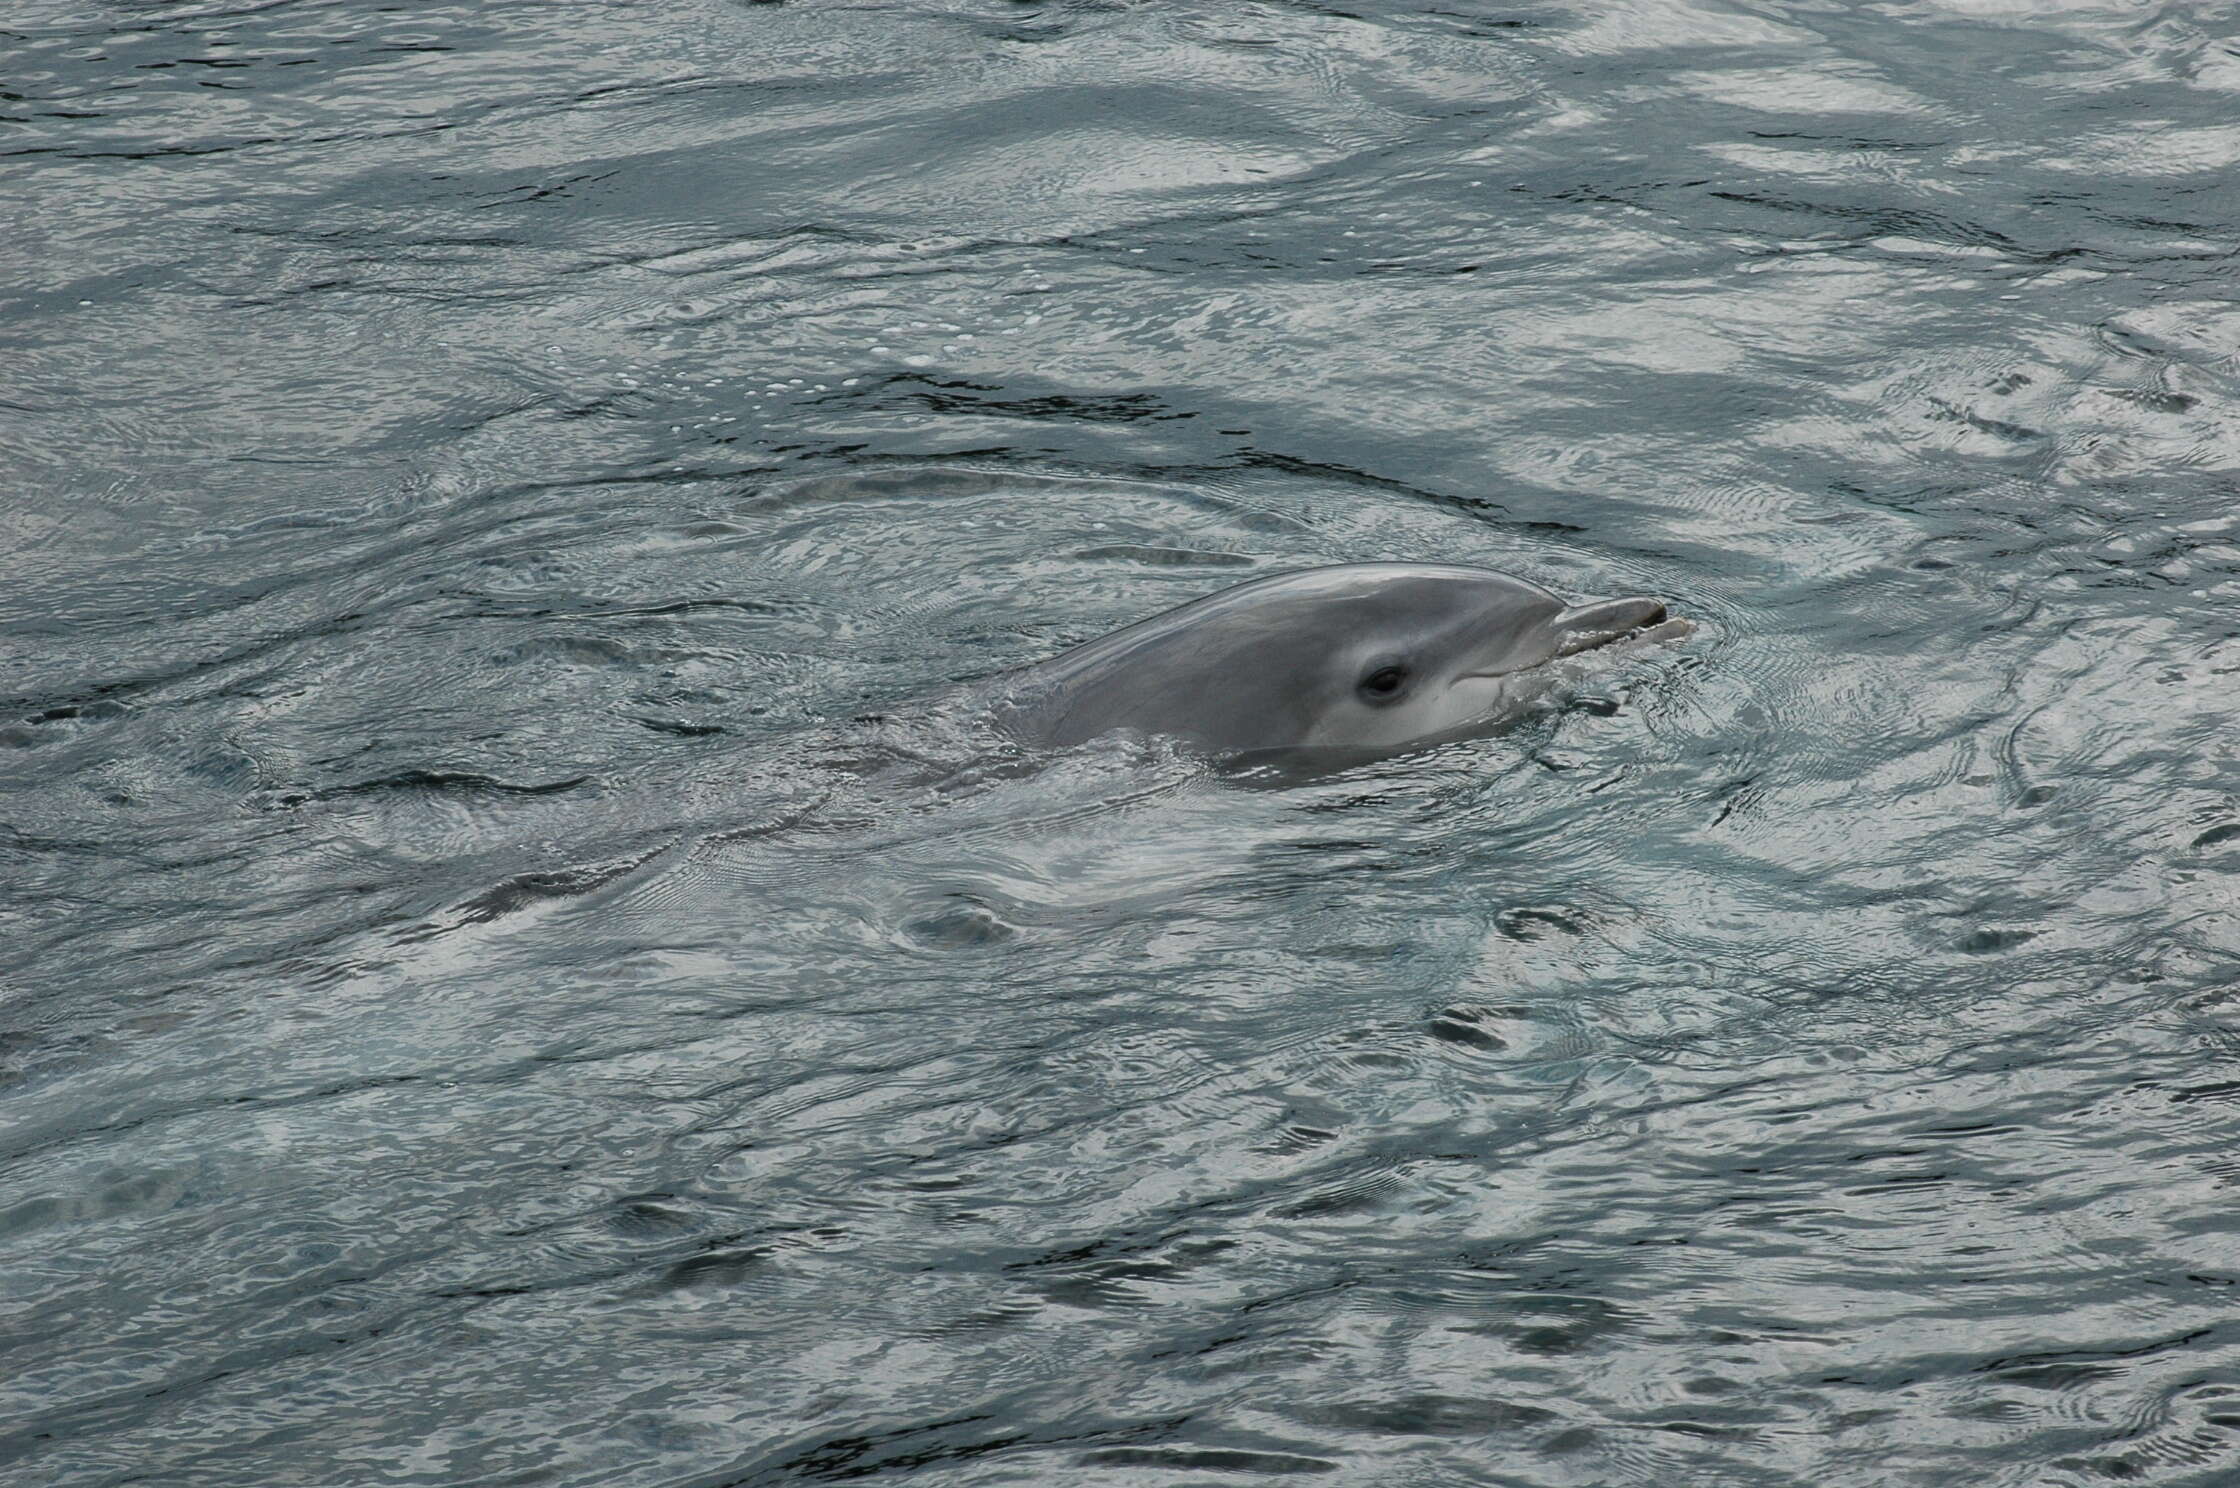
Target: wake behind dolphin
[1353, 660]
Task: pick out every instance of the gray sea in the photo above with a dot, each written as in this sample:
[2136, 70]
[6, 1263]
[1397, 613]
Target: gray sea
[495, 990]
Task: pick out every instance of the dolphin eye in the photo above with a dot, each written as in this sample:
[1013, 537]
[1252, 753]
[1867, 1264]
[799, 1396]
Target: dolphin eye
[1384, 684]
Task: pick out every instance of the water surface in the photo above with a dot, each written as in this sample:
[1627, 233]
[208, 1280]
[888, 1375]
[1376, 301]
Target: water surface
[498, 992]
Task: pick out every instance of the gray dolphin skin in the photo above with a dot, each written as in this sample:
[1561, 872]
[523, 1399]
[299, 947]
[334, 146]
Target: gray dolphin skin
[1357, 659]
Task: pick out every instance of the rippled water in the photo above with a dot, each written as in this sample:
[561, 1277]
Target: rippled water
[497, 991]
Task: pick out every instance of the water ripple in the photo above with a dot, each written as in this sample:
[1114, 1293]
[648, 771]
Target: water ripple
[511, 968]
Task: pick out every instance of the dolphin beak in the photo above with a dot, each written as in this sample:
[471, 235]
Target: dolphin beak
[1602, 622]
[1586, 626]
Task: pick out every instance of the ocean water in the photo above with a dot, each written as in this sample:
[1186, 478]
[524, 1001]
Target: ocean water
[495, 989]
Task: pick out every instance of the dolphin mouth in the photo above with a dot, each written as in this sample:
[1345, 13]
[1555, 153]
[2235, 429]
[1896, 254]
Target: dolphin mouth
[1586, 626]
[1605, 622]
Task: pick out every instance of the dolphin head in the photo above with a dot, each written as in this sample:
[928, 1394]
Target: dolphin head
[1355, 658]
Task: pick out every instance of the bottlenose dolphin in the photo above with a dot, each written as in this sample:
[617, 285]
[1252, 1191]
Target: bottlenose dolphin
[1296, 674]
[1353, 660]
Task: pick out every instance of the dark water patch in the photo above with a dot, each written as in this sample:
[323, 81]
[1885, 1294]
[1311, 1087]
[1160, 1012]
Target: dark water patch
[1209, 1459]
[715, 1268]
[451, 781]
[1468, 1027]
[1436, 1415]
